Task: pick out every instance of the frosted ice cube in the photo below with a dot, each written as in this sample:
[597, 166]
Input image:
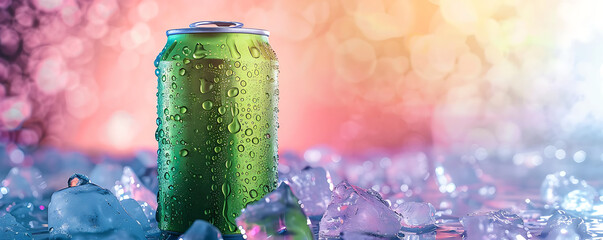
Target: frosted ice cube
[312, 186]
[201, 230]
[417, 217]
[563, 226]
[278, 215]
[356, 210]
[130, 186]
[23, 183]
[569, 192]
[500, 225]
[11, 229]
[89, 210]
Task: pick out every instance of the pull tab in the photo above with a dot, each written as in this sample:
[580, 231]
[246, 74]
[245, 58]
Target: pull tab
[217, 23]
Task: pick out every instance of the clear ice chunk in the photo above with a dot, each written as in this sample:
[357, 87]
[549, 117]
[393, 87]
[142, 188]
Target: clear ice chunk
[135, 211]
[417, 217]
[356, 210]
[563, 226]
[201, 230]
[312, 186]
[22, 183]
[89, 211]
[27, 214]
[77, 180]
[11, 229]
[130, 186]
[500, 225]
[569, 192]
[145, 167]
[278, 215]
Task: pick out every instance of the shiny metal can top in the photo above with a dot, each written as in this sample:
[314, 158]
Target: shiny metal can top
[221, 27]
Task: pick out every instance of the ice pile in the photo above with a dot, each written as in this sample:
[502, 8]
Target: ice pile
[568, 192]
[11, 229]
[408, 171]
[27, 214]
[201, 230]
[278, 215]
[123, 182]
[500, 225]
[456, 174]
[23, 183]
[130, 186]
[144, 217]
[563, 226]
[145, 167]
[312, 186]
[90, 212]
[417, 217]
[354, 211]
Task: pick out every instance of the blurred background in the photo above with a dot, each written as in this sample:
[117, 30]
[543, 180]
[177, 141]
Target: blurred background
[519, 82]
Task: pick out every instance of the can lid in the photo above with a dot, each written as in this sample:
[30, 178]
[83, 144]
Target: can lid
[221, 27]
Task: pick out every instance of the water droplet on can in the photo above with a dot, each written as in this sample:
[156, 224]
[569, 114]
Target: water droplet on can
[207, 105]
[233, 92]
[184, 152]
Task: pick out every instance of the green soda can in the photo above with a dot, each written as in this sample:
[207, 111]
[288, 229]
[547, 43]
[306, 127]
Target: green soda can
[217, 121]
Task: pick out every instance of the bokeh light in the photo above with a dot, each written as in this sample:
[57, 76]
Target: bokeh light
[356, 75]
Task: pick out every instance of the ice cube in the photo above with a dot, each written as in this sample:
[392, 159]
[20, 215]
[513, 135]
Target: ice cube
[27, 214]
[424, 236]
[77, 180]
[106, 175]
[569, 192]
[356, 210]
[24, 183]
[278, 215]
[145, 167]
[133, 209]
[201, 230]
[11, 229]
[327, 158]
[493, 226]
[130, 186]
[290, 161]
[417, 217]
[312, 186]
[363, 236]
[89, 210]
[563, 226]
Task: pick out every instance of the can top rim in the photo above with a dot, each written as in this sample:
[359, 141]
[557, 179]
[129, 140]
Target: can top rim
[222, 27]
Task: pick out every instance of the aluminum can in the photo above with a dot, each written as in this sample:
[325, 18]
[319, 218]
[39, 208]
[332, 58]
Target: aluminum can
[217, 121]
